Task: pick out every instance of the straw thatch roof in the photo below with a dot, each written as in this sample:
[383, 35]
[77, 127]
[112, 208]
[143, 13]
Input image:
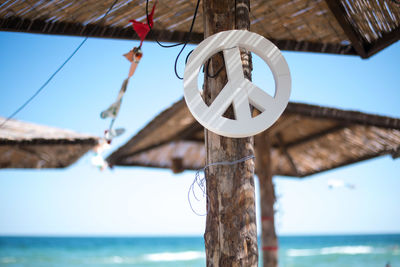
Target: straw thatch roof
[305, 140]
[27, 145]
[328, 26]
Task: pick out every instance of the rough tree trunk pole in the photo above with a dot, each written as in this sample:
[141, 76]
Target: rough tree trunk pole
[267, 199]
[231, 232]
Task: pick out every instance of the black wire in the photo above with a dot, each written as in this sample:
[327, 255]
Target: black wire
[187, 56]
[155, 38]
[55, 73]
[178, 44]
[176, 62]
[190, 30]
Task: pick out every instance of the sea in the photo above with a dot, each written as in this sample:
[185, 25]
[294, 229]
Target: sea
[294, 251]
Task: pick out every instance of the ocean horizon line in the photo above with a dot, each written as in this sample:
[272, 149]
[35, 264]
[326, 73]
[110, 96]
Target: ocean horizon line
[30, 235]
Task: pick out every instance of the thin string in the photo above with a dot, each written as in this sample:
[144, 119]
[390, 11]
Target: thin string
[201, 181]
[57, 71]
[111, 124]
[43, 86]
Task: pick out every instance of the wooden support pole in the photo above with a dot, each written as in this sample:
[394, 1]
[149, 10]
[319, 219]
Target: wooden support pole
[231, 232]
[267, 199]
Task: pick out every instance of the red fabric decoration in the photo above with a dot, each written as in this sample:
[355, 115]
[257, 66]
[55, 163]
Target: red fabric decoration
[269, 248]
[263, 218]
[142, 29]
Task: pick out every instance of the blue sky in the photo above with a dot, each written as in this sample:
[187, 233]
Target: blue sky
[81, 200]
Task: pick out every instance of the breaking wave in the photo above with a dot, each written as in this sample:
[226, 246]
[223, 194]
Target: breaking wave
[346, 250]
[154, 257]
[8, 260]
[176, 256]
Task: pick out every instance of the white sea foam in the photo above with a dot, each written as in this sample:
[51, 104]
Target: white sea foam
[117, 259]
[176, 256]
[155, 257]
[8, 260]
[113, 260]
[348, 250]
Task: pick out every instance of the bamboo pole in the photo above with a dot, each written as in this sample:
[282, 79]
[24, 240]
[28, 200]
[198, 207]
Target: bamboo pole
[267, 199]
[231, 232]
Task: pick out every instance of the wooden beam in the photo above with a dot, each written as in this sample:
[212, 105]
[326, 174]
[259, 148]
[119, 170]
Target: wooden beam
[17, 24]
[345, 116]
[151, 165]
[185, 167]
[307, 46]
[43, 141]
[383, 42]
[356, 40]
[285, 152]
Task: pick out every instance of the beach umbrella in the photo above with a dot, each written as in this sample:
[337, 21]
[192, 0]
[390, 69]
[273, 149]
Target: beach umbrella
[306, 140]
[28, 145]
[353, 27]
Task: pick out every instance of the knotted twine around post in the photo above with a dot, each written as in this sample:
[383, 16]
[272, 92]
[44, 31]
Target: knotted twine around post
[201, 181]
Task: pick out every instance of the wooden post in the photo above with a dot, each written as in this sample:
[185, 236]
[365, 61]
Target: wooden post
[267, 199]
[231, 232]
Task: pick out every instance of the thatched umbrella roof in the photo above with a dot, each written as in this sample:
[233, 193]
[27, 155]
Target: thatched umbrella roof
[305, 140]
[27, 145]
[329, 26]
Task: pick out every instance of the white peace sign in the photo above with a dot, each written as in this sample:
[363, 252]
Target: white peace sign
[239, 91]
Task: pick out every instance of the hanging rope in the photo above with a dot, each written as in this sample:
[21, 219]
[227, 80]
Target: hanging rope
[58, 70]
[201, 181]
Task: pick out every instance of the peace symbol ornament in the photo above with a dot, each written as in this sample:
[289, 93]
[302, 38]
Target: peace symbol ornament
[239, 91]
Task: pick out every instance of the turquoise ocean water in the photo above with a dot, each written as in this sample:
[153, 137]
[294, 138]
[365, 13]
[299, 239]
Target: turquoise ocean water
[338, 251]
